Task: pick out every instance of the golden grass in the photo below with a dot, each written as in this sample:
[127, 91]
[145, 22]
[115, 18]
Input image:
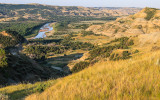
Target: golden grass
[19, 91]
[132, 79]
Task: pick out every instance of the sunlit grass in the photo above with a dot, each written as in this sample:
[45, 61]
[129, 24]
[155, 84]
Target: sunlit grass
[19, 91]
[132, 79]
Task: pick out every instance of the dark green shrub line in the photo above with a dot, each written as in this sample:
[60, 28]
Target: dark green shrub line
[80, 66]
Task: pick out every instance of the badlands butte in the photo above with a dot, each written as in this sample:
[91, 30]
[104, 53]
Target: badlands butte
[144, 22]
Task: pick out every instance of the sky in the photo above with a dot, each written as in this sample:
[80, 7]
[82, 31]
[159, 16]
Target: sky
[91, 3]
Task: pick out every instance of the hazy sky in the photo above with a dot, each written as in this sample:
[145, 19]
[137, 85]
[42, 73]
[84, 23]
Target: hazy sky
[92, 3]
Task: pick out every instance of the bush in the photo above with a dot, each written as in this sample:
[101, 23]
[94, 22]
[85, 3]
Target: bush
[80, 66]
[136, 51]
[130, 43]
[112, 56]
[42, 87]
[3, 97]
[126, 55]
[3, 58]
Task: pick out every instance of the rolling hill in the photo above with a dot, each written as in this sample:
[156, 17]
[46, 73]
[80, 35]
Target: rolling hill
[11, 12]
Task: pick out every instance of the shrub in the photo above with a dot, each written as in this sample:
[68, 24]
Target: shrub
[136, 51]
[116, 30]
[130, 43]
[3, 58]
[126, 55]
[112, 56]
[3, 97]
[42, 87]
[80, 66]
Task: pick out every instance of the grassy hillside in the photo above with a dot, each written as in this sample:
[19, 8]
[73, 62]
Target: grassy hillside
[135, 78]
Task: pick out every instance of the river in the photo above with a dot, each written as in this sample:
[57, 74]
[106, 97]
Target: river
[45, 28]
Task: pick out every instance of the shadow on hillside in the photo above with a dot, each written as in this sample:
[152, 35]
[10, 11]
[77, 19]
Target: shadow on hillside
[60, 62]
[65, 59]
[18, 95]
[28, 71]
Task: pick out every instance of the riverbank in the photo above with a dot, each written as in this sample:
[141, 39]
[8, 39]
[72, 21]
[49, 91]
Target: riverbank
[50, 33]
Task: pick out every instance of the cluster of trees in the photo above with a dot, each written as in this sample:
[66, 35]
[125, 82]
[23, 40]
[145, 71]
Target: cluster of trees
[40, 52]
[11, 40]
[60, 46]
[106, 51]
[81, 26]
[85, 33]
[23, 28]
[75, 45]
[124, 43]
[61, 25]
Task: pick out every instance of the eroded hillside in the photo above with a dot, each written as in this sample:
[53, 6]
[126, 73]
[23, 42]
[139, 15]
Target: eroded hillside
[144, 22]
